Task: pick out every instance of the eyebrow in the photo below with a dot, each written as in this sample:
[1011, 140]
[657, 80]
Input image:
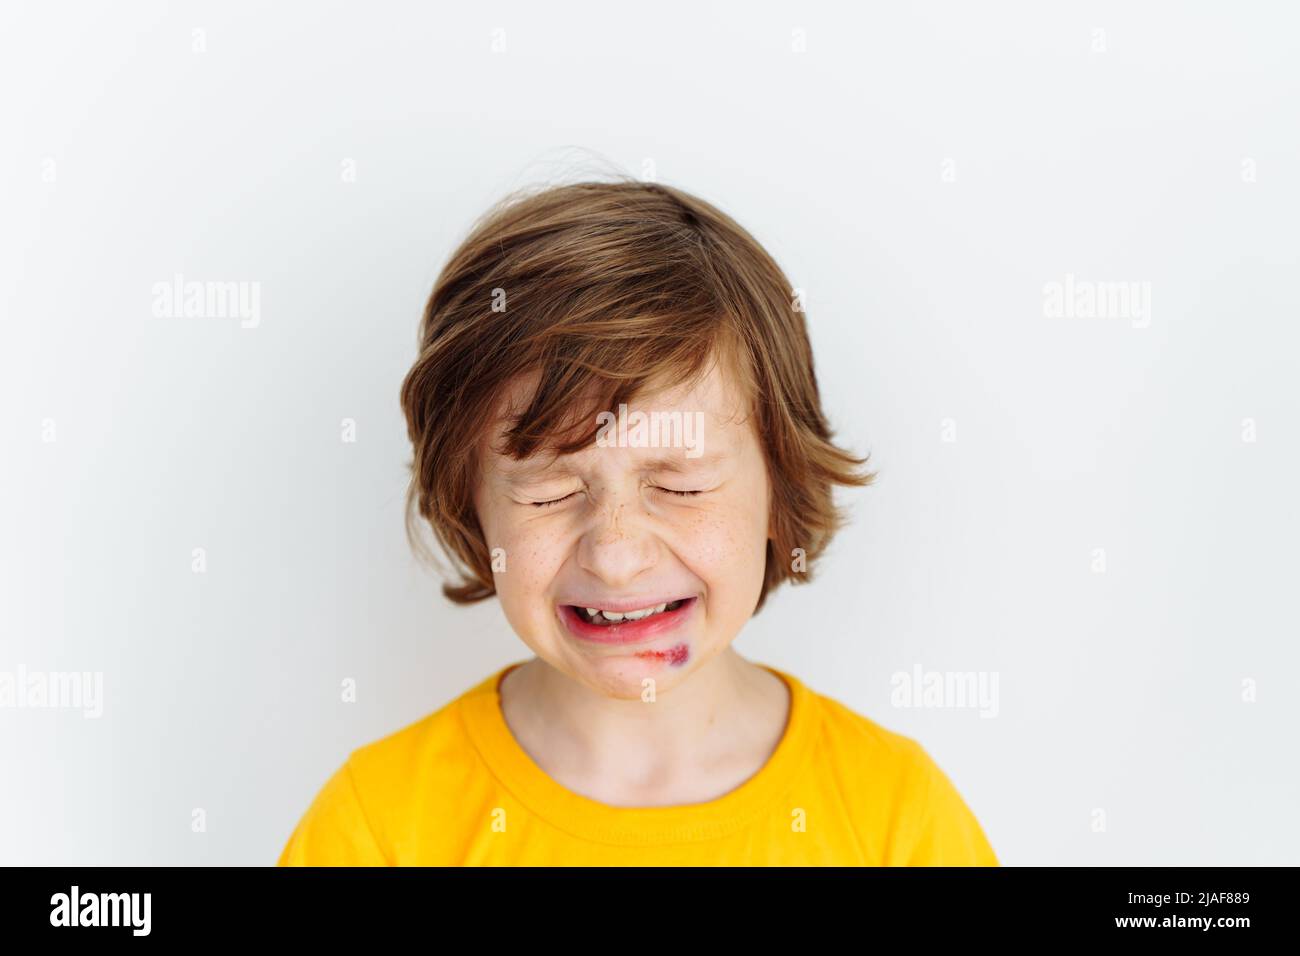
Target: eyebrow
[677, 463]
[514, 470]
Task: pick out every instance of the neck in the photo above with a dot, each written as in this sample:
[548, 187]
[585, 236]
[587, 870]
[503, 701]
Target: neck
[707, 733]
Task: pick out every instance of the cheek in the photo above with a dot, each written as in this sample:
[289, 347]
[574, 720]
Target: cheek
[534, 555]
[724, 541]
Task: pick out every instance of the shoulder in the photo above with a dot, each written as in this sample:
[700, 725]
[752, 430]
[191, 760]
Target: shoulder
[906, 806]
[365, 811]
[847, 731]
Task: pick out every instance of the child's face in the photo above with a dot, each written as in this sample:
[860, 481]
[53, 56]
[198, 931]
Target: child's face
[621, 540]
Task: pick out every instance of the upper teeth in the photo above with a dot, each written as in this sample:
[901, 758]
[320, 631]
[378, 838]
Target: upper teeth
[626, 615]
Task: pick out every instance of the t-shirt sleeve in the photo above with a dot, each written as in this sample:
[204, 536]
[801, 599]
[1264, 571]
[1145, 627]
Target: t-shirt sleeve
[948, 834]
[335, 830]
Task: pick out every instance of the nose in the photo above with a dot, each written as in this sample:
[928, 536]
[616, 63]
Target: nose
[618, 546]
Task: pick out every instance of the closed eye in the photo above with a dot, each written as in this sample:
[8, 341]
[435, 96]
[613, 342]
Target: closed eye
[556, 501]
[553, 501]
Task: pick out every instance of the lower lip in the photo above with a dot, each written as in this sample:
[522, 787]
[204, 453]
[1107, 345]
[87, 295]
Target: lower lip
[627, 632]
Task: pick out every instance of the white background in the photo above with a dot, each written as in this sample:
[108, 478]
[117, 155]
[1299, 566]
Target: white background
[1119, 691]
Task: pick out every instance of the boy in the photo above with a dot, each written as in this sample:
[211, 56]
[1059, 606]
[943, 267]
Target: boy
[617, 432]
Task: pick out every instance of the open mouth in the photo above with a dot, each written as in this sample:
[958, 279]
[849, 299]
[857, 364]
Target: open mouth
[603, 618]
[633, 626]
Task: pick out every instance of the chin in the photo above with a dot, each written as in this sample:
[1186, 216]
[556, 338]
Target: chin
[634, 678]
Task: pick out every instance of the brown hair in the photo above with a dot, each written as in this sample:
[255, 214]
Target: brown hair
[603, 289]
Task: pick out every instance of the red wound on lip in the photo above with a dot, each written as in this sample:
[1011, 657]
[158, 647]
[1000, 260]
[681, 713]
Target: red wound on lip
[677, 655]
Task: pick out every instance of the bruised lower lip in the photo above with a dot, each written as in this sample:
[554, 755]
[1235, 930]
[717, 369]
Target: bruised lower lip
[626, 632]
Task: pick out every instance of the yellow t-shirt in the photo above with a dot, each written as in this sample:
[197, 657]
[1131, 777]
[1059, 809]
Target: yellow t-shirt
[456, 789]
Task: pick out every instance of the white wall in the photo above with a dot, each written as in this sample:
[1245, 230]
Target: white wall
[128, 158]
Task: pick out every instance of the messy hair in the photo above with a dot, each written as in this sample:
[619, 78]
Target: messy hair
[602, 289]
